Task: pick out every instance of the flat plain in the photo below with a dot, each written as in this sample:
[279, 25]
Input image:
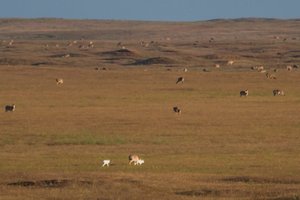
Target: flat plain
[118, 96]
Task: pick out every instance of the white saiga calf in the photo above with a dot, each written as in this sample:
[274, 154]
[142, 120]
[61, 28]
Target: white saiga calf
[106, 163]
[139, 162]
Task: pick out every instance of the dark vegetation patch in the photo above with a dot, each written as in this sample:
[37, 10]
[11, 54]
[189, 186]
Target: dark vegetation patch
[65, 55]
[154, 60]
[43, 183]
[211, 56]
[11, 61]
[41, 63]
[247, 179]
[51, 183]
[186, 89]
[128, 180]
[197, 193]
[297, 197]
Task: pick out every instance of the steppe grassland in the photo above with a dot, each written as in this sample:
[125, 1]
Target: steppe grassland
[222, 146]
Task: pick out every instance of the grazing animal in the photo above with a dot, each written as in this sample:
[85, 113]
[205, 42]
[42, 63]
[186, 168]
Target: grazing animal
[139, 162]
[230, 62]
[11, 43]
[133, 158]
[278, 92]
[263, 71]
[185, 69]
[289, 68]
[244, 93]
[180, 79]
[66, 56]
[217, 66]
[260, 68]
[10, 108]
[59, 81]
[106, 163]
[91, 44]
[177, 110]
[270, 76]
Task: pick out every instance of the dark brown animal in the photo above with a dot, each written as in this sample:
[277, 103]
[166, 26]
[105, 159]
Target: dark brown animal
[177, 110]
[10, 108]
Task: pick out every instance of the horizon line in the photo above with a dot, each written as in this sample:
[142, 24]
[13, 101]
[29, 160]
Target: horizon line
[166, 21]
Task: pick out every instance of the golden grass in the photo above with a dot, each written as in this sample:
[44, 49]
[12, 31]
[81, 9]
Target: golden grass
[108, 115]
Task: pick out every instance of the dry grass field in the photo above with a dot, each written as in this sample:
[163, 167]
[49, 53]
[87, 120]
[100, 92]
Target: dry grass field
[118, 97]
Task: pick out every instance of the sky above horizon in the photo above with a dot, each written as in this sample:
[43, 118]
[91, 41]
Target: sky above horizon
[150, 10]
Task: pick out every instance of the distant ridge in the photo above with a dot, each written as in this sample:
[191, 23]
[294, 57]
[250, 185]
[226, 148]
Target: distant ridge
[250, 19]
[247, 19]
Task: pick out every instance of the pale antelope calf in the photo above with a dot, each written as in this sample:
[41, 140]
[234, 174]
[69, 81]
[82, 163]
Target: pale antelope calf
[66, 56]
[11, 43]
[261, 69]
[230, 62]
[217, 66]
[270, 76]
[91, 44]
[133, 158]
[278, 92]
[177, 110]
[139, 162]
[59, 81]
[289, 68]
[10, 108]
[106, 163]
[180, 80]
[244, 93]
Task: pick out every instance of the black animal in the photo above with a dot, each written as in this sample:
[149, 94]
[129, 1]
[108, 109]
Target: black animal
[176, 109]
[244, 93]
[180, 79]
[10, 108]
[278, 92]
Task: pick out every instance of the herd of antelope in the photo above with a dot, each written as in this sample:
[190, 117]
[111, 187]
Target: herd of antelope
[133, 158]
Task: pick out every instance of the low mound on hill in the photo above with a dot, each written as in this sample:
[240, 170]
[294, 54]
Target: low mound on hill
[121, 53]
[154, 60]
[63, 55]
